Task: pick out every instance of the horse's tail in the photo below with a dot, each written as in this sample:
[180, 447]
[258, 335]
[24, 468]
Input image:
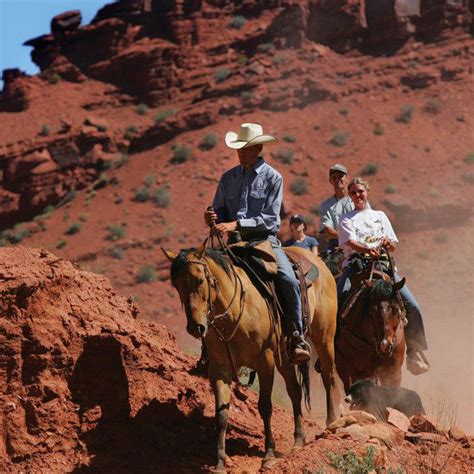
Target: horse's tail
[303, 378]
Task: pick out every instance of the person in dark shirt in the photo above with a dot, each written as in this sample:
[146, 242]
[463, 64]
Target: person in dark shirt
[298, 237]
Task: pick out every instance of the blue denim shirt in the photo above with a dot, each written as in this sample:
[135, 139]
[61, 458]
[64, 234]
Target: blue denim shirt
[253, 198]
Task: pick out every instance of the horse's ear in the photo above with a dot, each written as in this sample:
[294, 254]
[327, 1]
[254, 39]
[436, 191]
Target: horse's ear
[369, 283]
[398, 286]
[200, 250]
[169, 254]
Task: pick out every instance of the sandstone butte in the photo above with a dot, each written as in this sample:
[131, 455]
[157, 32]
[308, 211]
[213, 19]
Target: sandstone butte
[98, 127]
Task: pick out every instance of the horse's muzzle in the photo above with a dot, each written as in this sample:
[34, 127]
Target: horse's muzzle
[385, 347]
[198, 331]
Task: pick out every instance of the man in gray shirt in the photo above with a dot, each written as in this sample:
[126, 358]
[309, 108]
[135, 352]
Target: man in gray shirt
[331, 210]
[248, 199]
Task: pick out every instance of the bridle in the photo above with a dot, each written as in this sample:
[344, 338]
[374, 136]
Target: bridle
[214, 319]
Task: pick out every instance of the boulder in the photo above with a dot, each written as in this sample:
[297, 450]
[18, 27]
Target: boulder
[17, 91]
[362, 417]
[67, 21]
[420, 423]
[397, 419]
[341, 422]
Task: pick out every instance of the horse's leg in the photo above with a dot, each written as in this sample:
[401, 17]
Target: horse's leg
[266, 373]
[220, 381]
[294, 392]
[325, 348]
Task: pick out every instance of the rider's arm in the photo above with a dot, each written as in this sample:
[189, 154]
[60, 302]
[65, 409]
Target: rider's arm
[330, 232]
[219, 204]
[356, 246]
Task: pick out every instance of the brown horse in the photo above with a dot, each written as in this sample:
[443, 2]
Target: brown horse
[224, 308]
[370, 341]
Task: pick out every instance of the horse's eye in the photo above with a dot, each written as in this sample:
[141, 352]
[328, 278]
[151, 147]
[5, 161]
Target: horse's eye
[200, 281]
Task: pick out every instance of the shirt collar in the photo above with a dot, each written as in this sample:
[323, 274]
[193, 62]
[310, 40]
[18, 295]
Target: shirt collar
[257, 167]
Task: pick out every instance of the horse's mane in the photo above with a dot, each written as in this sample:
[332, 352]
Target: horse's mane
[180, 263]
[381, 291]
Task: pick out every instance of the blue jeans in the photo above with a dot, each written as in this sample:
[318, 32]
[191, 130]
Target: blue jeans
[287, 285]
[414, 330]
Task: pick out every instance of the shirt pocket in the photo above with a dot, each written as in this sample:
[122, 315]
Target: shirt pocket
[257, 199]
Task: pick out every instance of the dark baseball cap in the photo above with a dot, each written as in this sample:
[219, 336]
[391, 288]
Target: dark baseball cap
[338, 167]
[297, 218]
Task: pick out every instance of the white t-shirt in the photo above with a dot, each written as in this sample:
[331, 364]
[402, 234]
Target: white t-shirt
[367, 227]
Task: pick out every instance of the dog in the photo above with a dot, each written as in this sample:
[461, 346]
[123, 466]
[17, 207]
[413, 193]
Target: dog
[368, 396]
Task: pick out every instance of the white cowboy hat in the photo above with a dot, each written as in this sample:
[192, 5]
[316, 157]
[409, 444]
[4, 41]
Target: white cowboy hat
[250, 134]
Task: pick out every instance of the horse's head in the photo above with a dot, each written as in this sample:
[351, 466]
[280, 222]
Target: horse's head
[196, 286]
[387, 313]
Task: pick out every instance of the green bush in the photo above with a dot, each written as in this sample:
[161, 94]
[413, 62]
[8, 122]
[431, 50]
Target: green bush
[299, 186]
[339, 138]
[130, 132]
[142, 109]
[61, 243]
[344, 111]
[221, 74]
[149, 180]
[181, 154]
[209, 141]
[265, 47]
[284, 156]
[469, 159]
[348, 462]
[54, 78]
[146, 274]
[141, 194]
[468, 178]
[15, 235]
[391, 189]
[101, 182]
[74, 228]
[406, 114]
[116, 232]
[314, 210]
[163, 115]
[237, 22]
[162, 197]
[44, 132]
[289, 138]
[378, 129]
[369, 169]
[67, 199]
[242, 60]
[432, 106]
[117, 252]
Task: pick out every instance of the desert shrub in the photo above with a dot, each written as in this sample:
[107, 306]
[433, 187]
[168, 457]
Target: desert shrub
[433, 192]
[299, 186]
[468, 178]
[83, 217]
[265, 47]
[245, 95]
[339, 138]
[469, 159]
[441, 237]
[164, 114]
[181, 154]
[117, 252]
[149, 180]
[61, 243]
[102, 128]
[242, 60]
[314, 210]
[44, 131]
[348, 462]
[284, 156]
[162, 197]
[146, 274]
[68, 198]
[54, 78]
[74, 228]
[15, 235]
[142, 194]
[432, 106]
[142, 109]
[276, 60]
[378, 129]
[130, 132]
[369, 169]
[118, 200]
[101, 182]
[289, 138]
[115, 232]
[344, 111]
[237, 22]
[390, 189]
[209, 141]
[221, 74]
[406, 113]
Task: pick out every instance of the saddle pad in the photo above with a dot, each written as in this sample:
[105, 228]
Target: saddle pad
[309, 269]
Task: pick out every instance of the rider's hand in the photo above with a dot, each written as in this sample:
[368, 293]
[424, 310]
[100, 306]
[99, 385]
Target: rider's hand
[226, 226]
[388, 244]
[374, 253]
[210, 218]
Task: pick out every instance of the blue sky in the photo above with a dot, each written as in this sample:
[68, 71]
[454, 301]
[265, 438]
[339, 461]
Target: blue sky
[21, 20]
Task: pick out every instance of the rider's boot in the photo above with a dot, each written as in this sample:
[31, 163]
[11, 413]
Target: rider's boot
[417, 363]
[300, 350]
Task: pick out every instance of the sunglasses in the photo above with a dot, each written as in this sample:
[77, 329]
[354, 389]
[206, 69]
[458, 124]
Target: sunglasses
[354, 193]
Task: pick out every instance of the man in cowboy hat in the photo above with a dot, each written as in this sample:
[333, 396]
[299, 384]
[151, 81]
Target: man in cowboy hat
[248, 199]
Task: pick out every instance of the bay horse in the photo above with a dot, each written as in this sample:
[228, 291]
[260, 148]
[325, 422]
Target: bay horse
[226, 311]
[370, 340]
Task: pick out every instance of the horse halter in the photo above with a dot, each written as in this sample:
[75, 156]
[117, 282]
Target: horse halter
[400, 318]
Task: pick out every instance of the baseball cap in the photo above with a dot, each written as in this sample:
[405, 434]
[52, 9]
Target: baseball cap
[338, 167]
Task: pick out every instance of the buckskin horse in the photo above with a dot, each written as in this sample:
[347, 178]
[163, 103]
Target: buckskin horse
[227, 311]
[370, 340]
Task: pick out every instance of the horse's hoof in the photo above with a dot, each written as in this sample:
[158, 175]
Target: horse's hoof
[299, 444]
[268, 463]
